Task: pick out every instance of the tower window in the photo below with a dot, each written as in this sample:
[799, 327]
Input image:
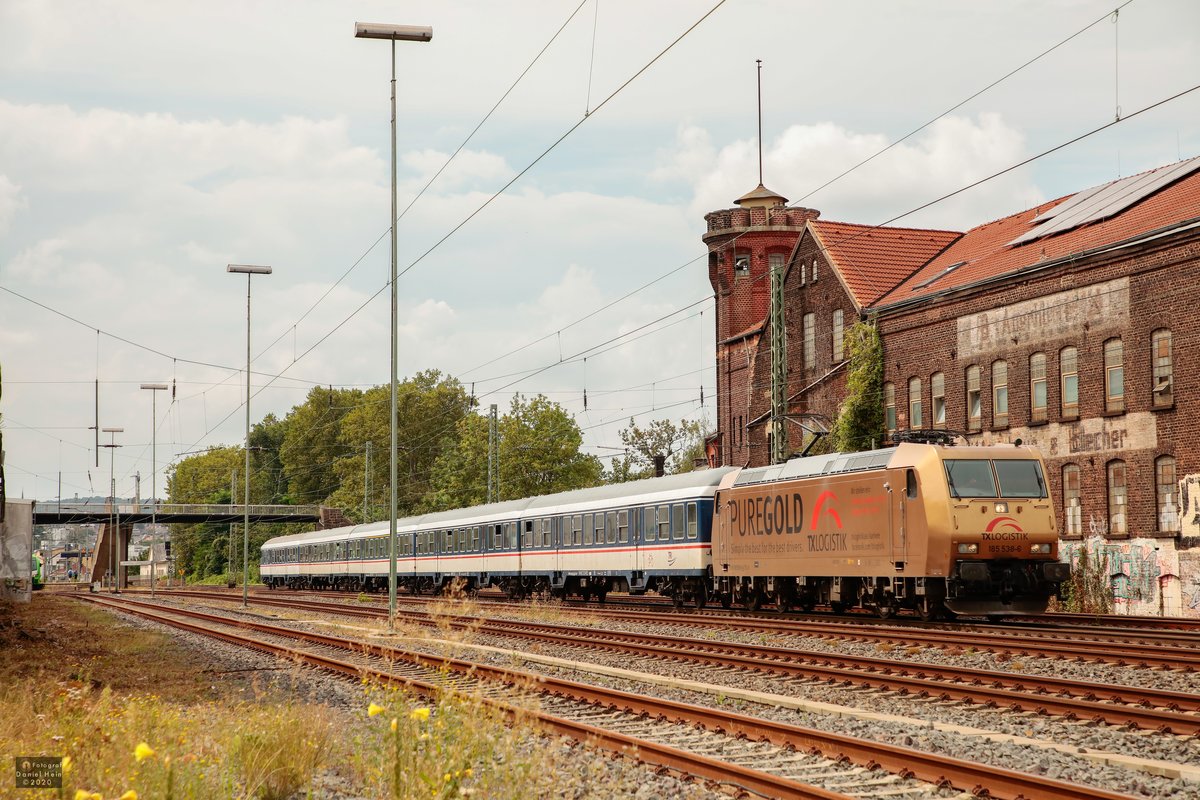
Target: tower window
[741, 264]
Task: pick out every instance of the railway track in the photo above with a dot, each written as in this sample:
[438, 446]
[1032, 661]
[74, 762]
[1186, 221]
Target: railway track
[761, 756]
[1179, 651]
[1133, 707]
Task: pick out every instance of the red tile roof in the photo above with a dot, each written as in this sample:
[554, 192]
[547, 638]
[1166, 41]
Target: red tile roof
[984, 252]
[871, 260]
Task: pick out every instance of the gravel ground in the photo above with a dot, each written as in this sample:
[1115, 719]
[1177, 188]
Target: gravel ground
[1063, 766]
[583, 773]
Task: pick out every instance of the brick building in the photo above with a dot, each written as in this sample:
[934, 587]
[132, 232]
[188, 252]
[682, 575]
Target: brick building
[1068, 326]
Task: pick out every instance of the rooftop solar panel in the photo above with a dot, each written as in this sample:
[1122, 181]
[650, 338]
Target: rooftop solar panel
[1105, 201]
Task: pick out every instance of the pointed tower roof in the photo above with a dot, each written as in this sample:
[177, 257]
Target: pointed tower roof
[761, 197]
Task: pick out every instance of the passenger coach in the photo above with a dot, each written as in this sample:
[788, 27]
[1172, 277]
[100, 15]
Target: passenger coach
[640, 536]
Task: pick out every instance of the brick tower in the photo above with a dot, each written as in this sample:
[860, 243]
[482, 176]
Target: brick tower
[743, 244]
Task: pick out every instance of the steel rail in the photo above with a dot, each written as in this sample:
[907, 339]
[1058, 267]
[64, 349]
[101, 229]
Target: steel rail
[1110, 703]
[929, 767]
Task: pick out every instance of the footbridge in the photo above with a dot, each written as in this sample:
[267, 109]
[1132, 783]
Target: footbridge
[137, 513]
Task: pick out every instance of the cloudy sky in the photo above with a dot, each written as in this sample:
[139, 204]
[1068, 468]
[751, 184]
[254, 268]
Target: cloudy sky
[144, 145]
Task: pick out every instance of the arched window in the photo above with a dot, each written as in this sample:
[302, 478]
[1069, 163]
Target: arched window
[1163, 376]
[915, 419]
[838, 335]
[937, 397]
[1068, 370]
[1118, 497]
[1072, 500]
[1114, 375]
[1166, 491]
[1037, 387]
[974, 402]
[999, 394]
[810, 341]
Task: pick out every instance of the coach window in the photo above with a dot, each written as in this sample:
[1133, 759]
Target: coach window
[1117, 498]
[598, 518]
[527, 535]
[974, 402]
[839, 340]
[1114, 375]
[587, 528]
[915, 419]
[649, 523]
[1072, 500]
[664, 523]
[610, 527]
[623, 526]
[693, 521]
[1000, 394]
[1037, 387]
[512, 535]
[889, 406]
[1068, 368]
[577, 529]
[1160, 359]
[547, 532]
[1167, 493]
[476, 537]
[678, 521]
[937, 397]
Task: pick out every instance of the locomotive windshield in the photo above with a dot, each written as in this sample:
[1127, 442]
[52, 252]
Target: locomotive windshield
[970, 478]
[974, 478]
[1020, 479]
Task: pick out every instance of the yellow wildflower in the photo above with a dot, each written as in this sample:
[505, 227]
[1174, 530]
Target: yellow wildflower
[395, 725]
[130, 795]
[66, 764]
[419, 713]
[143, 751]
[83, 794]
[446, 778]
[374, 710]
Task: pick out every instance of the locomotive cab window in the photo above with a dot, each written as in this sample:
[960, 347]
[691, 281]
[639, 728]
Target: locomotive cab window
[910, 482]
[1021, 478]
[970, 478]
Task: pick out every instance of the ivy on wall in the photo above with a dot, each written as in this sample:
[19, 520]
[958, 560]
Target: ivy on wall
[860, 424]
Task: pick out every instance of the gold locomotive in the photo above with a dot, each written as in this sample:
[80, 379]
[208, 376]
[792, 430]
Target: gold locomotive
[939, 530]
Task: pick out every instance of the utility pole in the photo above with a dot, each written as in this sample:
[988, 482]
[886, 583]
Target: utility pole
[492, 494]
[779, 438]
[366, 482]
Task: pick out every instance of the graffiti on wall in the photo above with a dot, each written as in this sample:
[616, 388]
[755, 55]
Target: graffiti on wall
[1136, 567]
[1189, 584]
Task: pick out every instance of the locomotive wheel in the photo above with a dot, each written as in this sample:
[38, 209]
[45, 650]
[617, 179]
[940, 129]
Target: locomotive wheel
[885, 610]
[726, 600]
[754, 601]
[927, 611]
[837, 607]
[601, 594]
[701, 599]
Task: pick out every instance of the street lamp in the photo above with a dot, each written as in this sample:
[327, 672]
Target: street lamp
[248, 270]
[154, 389]
[394, 33]
[112, 504]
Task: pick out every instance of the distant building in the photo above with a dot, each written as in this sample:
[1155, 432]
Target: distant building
[1069, 326]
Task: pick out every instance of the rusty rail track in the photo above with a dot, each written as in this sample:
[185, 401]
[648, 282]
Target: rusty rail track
[981, 779]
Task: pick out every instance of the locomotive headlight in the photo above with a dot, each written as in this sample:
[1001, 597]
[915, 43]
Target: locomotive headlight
[1039, 548]
[968, 548]
[1001, 508]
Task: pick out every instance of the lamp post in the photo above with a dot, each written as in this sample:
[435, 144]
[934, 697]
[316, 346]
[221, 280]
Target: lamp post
[248, 270]
[154, 389]
[112, 503]
[393, 33]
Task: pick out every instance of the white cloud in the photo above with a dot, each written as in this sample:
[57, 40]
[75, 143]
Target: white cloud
[948, 155]
[10, 202]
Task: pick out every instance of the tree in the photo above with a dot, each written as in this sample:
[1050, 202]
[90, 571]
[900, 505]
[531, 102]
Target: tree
[429, 407]
[310, 445]
[209, 477]
[538, 454]
[860, 423]
[681, 445]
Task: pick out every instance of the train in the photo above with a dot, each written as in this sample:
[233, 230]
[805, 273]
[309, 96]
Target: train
[933, 529]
